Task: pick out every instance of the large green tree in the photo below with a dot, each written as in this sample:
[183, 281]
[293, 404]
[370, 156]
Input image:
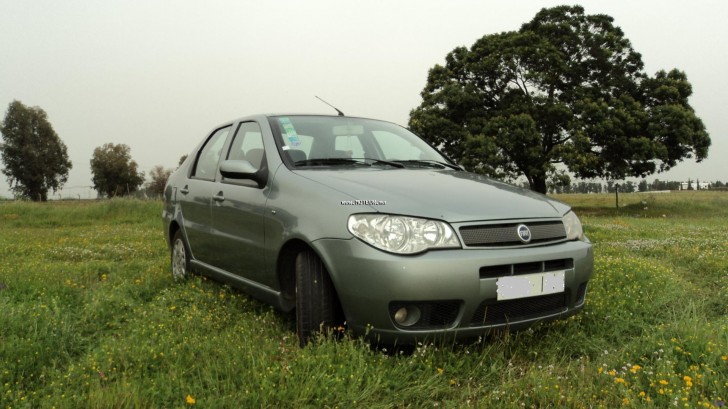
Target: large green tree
[35, 158]
[114, 171]
[568, 89]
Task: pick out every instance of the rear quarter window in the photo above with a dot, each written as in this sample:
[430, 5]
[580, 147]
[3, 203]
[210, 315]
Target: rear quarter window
[207, 159]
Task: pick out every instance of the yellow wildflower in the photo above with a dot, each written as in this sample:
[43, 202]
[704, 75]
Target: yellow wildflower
[190, 400]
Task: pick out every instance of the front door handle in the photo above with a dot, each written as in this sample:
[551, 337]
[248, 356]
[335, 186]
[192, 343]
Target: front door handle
[219, 197]
[185, 190]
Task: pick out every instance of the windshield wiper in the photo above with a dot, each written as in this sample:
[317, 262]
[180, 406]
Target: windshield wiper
[345, 162]
[430, 163]
[329, 162]
[384, 162]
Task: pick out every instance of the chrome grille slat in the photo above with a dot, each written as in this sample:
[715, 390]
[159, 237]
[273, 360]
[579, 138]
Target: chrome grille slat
[507, 235]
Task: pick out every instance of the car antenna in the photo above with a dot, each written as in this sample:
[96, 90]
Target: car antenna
[337, 109]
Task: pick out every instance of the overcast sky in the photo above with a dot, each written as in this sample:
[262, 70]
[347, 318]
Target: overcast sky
[158, 75]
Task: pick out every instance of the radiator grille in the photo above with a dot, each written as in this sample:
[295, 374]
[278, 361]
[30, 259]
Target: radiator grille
[496, 235]
[526, 268]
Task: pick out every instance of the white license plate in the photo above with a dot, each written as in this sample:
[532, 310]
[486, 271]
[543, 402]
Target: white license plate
[530, 285]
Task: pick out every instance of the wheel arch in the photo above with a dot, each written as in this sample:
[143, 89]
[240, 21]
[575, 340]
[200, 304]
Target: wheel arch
[286, 271]
[286, 268]
[173, 228]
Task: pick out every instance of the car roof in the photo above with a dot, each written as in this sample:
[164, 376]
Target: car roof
[269, 115]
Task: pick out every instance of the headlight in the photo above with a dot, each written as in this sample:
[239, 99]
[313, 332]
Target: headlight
[401, 234]
[573, 227]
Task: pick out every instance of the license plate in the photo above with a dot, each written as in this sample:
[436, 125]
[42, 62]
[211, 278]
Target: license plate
[530, 285]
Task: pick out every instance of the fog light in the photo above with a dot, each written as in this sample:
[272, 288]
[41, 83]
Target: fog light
[407, 316]
[401, 315]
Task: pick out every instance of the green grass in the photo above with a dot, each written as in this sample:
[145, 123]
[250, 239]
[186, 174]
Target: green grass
[90, 317]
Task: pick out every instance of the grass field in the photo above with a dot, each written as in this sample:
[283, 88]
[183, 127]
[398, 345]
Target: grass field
[90, 317]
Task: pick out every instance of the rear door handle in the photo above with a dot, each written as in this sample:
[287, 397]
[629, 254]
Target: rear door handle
[185, 190]
[219, 197]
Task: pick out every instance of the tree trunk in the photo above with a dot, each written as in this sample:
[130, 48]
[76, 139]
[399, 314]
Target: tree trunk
[538, 183]
[37, 194]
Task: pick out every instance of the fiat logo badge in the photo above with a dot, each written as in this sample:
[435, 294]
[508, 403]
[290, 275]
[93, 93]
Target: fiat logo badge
[524, 233]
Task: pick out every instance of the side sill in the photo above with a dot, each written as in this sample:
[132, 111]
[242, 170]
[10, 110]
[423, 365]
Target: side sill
[252, 288]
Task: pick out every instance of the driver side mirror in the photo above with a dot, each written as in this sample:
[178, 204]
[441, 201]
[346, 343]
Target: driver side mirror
[242, 169]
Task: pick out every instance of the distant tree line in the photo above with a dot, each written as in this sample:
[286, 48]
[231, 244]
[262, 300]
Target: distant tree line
[630, 187]
[36, 160]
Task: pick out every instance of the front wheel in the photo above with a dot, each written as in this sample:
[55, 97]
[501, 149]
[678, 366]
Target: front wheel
[317, 307]
[180, 257]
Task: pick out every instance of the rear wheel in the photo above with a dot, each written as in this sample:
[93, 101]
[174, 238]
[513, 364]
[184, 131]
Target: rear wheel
[317, 307]
[180, 257]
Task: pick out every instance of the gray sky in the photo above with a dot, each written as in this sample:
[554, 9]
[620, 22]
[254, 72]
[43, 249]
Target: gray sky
[158, 75]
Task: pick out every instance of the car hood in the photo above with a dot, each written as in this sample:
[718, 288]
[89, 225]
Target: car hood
[454, 196]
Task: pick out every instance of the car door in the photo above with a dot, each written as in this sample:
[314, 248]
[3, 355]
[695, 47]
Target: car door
[238, 210]
[196, 196]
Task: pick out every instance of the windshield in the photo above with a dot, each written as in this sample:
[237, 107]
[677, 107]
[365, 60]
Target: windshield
[343, 141]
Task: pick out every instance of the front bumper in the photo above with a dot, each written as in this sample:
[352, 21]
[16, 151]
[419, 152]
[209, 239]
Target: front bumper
[455, 290]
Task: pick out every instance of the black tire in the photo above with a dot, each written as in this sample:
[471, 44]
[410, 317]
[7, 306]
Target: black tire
[317, 307]
[180, 257]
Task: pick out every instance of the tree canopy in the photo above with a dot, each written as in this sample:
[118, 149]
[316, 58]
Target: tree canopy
[565, 92]
[158, 180]
[35, 158]
[114, 171]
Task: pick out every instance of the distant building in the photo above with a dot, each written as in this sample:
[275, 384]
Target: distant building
[695, 185]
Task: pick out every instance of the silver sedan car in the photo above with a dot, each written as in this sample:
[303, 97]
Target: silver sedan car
[358, 223]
